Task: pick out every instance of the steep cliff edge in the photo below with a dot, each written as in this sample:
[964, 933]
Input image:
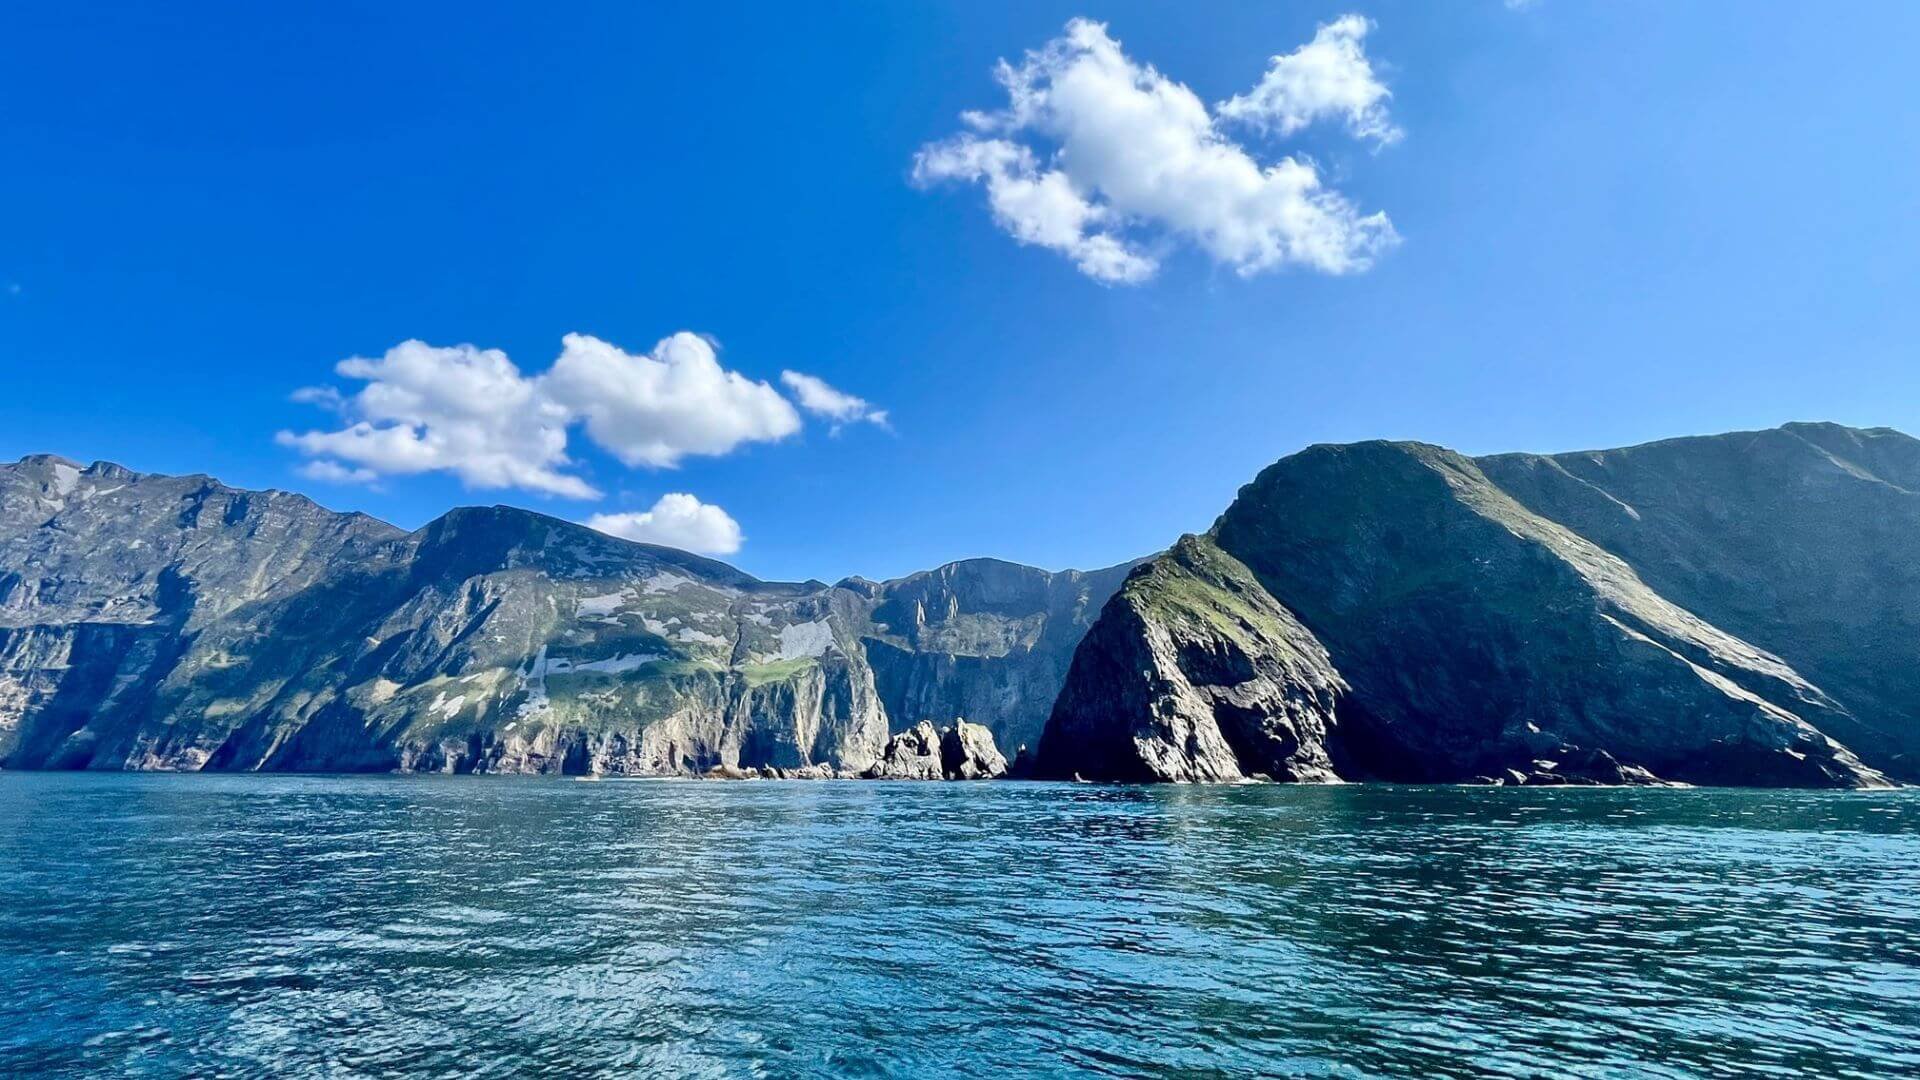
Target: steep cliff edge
[982, 639]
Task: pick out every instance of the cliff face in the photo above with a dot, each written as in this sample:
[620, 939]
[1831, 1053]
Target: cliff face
[982, 639]
[1475, 634]
[173, 623]
[1194, 672]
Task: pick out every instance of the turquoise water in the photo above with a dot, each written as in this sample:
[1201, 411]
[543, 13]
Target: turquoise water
[381, 926]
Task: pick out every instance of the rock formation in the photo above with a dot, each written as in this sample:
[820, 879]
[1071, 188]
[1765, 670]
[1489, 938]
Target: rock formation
[960, 751]
[1194, 673]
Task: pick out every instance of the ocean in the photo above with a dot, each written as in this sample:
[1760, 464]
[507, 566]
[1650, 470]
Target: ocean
[174, 925]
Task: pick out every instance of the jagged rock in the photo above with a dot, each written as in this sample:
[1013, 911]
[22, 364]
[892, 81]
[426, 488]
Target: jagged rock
[913, 754]
[967, 752]
[961, 751]
[1194, 673]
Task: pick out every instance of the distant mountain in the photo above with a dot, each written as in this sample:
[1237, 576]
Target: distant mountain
[157, 622]
[1733, 609]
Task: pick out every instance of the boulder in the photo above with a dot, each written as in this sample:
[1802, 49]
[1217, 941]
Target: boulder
[967, 752]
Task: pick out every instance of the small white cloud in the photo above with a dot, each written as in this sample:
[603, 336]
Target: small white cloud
[326, 397]
[676, 520]
[332, 472]
[1326, 78]
[822, 399]
[1107, 160]
[473, 413]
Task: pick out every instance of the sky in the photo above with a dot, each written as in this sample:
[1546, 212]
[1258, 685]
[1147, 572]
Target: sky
[865, 288]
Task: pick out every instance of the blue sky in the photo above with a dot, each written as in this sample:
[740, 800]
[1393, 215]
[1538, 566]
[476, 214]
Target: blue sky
[1615, 222]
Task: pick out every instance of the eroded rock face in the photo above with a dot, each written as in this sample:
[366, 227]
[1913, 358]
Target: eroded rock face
[1428, 626]
[160, 622]
[1194, 673]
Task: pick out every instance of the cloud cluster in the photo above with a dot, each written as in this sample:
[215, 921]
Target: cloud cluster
[472, 413]
[1108, 161]
[676, 520]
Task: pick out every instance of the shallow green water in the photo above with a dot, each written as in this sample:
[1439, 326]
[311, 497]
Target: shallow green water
[257, 925]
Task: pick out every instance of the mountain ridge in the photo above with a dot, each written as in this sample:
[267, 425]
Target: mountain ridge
[1736, 608]
[1514, 616]
[141, 626]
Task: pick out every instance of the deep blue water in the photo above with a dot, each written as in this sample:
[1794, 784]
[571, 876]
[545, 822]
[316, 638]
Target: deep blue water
[384, 926]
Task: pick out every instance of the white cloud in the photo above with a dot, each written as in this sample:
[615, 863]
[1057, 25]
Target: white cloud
[1131, 161]
[326, 397]
[1037, 206]
[332, 472]
[463, 410]
[1325, 78]
[657, 408]
[471, 412]
[676, 520]
[817, 396]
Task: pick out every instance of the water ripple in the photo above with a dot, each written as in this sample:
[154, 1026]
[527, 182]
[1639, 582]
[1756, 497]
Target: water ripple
[379, 926]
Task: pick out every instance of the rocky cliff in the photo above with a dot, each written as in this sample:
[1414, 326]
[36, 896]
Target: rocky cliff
[1417, 615]
[1735, 609]
[175, 623]
[1195, 673]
